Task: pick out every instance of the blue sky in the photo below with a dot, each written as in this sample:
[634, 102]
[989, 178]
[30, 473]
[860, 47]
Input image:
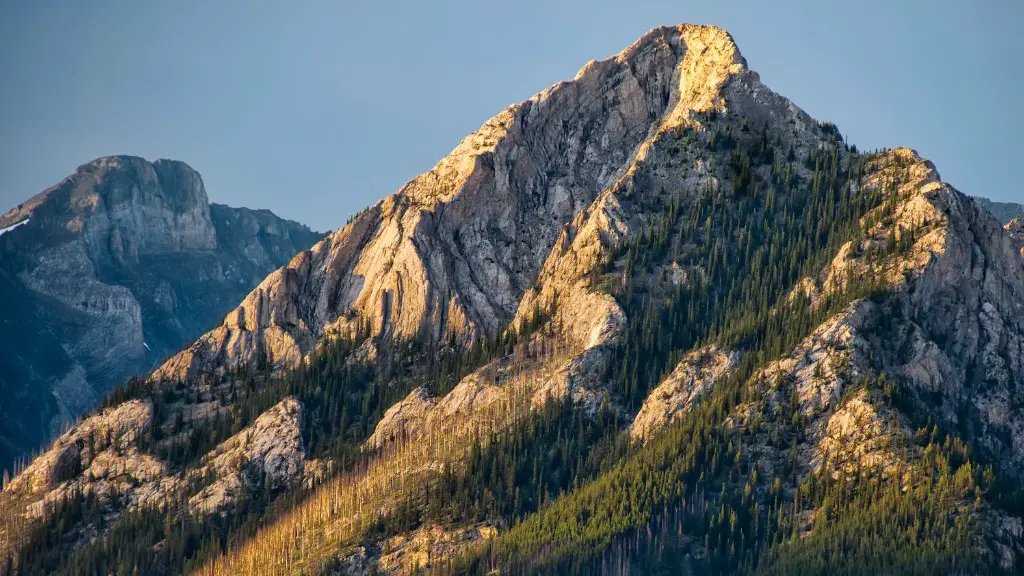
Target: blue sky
[318, 109]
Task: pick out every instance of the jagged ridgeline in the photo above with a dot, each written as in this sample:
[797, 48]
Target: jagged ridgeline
[653, 320]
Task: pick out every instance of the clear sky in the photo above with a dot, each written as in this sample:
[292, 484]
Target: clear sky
[315, 109]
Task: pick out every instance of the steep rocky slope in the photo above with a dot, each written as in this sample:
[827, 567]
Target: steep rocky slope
[108, 273]
[653, 316]
[104, 464]
[1003, 211]
[689, 381]
[451, 254]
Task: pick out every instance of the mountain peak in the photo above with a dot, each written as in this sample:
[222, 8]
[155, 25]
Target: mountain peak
[126, 202]
[110, 270]
[453, 252]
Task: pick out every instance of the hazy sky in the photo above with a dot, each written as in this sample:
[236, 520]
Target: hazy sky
[315, 109]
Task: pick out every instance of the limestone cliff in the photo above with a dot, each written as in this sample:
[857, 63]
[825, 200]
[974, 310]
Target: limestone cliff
[690, 380]
[708, 89]
[451, 254]
[108, 273]
[1003, 211]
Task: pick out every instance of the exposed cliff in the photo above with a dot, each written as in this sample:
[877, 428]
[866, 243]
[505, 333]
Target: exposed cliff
[1003, 211]
[675, 164]
[451, 254]
[690, 380]
[108, 273]
[945, 339]
[945, 262]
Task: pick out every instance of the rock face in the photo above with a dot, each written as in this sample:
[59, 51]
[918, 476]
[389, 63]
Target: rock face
[96, 452]
[100, 458]
[691, 379]
[518, 218]
[109, 272]
[948, 338]
[954, 330]
[267, 455]
[425, 548]
[452, 253]
[1003, 211]
[960, 327]
[407, 268]
[951, 333]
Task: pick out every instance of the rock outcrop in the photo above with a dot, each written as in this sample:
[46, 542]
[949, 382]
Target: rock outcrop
[951, 334]
[960, 326]
[946, 340]
[267, 455]
[423, 549]
[94, 454]
[691, 379]
[101, 459]
[1016, 231]
[108, 273]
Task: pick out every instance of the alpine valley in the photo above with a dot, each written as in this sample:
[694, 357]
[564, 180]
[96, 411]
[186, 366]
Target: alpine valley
[653, 320]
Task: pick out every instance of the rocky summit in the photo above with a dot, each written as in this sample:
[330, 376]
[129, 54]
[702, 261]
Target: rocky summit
[654, 319]
[109, 272]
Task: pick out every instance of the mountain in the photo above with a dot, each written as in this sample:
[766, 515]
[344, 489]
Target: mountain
[1003, 211]
[654, 319]
[109, 272]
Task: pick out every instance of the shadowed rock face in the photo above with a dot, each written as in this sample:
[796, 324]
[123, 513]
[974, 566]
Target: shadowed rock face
[1003, 211]
[110, 271]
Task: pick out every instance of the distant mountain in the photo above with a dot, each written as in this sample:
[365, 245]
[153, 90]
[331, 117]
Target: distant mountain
[107, 273]
[655, 319]
[1003, 211]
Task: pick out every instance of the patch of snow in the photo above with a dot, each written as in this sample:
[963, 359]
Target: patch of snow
[13, 226]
